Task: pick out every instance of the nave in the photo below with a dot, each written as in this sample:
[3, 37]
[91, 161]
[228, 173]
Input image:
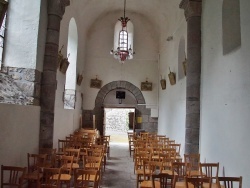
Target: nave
[119, 170]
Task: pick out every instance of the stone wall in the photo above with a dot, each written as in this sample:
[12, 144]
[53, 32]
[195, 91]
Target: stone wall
[148, 123]
[20, 86]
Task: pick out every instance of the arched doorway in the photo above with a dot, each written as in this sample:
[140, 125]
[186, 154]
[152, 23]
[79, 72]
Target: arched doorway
[140, 109]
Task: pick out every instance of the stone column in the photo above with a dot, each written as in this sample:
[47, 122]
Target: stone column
[193, 10]
[56, 9]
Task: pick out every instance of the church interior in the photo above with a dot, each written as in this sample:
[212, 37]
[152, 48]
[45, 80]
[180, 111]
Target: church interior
[183, 65]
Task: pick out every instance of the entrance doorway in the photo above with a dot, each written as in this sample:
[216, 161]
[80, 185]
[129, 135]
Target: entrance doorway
[118, 122]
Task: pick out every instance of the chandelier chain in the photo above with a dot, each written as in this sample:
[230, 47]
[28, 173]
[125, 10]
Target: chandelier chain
[124, 7]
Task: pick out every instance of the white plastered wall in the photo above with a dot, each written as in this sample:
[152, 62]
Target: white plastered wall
[21, 41]
[100, 62]
[172, 100]
[67, 121]
[20, 125]
[225, 99]
[19, 133]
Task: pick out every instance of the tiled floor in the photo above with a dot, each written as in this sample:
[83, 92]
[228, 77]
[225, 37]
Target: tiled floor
[119, 169]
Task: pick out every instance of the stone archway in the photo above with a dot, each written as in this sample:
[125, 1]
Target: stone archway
[148, 124]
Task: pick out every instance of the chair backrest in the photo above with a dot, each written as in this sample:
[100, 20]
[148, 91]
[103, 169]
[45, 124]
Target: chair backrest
[177, 148]
[72, 152]
[181, 169]
[193, 159]
[86, 178]
[92, 162]
[49, 179]
[12, 176]
[66, 163]
[35, 161]
[63, 144]
[97, 152]
[151, 167]
[169, 152]
[229, 182]
[197, 182]
[209, 170]
[166, 180]
[167, 160]
[51, 154]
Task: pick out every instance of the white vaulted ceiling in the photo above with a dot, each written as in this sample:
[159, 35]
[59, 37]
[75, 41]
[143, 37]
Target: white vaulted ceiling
[153, 10]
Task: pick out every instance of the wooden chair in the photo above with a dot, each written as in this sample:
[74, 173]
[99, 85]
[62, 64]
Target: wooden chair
[229, 182]
[76, 154]
[167, 161]
[65, 163]
[51, 156]
[177, 148]
[98, 152]
[194, 161]
[12, 176]
[93, 163]
[197, 182]
[35, 163]
[166, 180]
[51, 177]
[210, 170]
[181, 169]
[138, 166]
[164, 141]
[152, 167]
[62, 144]
[131, 144]
[86, 178]
[105, 140]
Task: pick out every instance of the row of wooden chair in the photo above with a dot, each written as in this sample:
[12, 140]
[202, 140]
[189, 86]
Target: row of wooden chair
[151, 154]
[72, 159]
[14, 177]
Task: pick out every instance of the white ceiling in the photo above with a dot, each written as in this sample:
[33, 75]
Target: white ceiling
[154, 10]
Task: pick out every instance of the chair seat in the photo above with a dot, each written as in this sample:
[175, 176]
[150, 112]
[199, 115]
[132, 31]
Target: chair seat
[213, 185]
[170, 172]
[183, 185]
[64, 177]
[140, 171]
[148, 184]
[194, 173]
[75, 166]
[180, 184]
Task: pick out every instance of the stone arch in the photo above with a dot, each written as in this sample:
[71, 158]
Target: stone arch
[119, 85]
[141, 111]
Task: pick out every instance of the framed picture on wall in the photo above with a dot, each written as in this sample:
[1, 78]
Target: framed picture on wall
[146, 86]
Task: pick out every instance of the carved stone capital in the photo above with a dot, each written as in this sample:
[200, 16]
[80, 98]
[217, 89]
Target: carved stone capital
[57, 7]
[192, 8]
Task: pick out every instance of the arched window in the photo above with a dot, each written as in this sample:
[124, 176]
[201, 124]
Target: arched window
[231, 25]
[70, 86]
[123, 40]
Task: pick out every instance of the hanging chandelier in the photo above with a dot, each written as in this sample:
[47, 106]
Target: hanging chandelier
[123, 52]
